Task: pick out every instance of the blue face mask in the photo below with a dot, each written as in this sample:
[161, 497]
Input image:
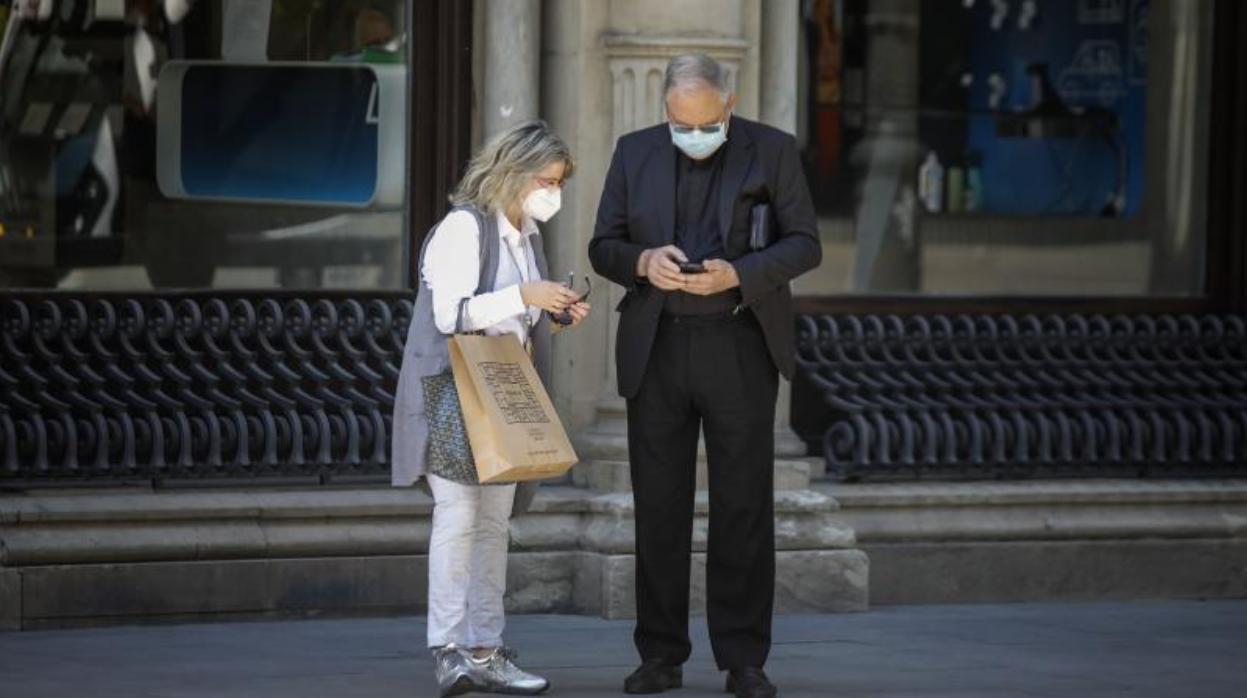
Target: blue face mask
[699, 143]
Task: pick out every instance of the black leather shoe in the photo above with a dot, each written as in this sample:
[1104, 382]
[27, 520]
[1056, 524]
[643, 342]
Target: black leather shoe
[654, 676]
[750, 683]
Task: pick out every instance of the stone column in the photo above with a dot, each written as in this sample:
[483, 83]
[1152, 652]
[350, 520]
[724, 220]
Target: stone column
[781, 40]
[512, 63]
[1178, 77]
[887, 254]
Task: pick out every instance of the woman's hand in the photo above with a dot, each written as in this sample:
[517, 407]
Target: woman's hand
[578, 311]
[548, 295]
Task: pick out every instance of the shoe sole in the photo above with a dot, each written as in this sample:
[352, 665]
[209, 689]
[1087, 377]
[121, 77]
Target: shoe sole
[515, 691]
[731, 687]
[461, 686]
[675, 682]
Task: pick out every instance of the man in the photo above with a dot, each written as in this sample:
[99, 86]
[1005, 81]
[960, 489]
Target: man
[702, 350]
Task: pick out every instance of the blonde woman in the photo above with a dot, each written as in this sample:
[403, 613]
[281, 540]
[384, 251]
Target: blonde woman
[482, 270]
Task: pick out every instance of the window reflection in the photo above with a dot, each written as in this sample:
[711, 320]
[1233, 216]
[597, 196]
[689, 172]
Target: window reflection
[210, 143]
[1007, 147]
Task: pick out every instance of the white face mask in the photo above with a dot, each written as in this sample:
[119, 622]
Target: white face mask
[699, 144]
[542, 204]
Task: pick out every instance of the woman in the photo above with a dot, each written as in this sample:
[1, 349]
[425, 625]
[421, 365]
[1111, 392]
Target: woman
[482, 269]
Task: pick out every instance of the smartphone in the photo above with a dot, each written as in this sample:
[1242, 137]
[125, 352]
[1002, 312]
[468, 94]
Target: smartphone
[692, 268]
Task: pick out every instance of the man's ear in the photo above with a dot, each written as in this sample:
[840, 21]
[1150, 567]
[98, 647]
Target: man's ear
[731, 102]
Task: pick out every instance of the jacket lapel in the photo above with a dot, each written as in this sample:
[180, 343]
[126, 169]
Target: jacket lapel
[738, 158]
[663, 184]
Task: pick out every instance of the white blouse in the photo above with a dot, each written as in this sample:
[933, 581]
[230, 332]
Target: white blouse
[451, 269]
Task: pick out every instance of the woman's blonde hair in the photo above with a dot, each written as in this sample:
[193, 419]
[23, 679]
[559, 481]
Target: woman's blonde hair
[500, 170]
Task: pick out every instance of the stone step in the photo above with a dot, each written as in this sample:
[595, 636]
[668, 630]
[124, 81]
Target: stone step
[804, 520]
[104, 527]
[614, 475]
[100, 556]
[974, 542]
[939, 512]
[57, 596]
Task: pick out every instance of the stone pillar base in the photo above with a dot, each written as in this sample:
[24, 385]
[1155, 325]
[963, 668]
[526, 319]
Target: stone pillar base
[806, 581]
[615, 476]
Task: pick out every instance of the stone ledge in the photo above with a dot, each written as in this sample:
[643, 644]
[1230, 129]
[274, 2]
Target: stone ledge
[1074, 510]
[380, 501]
[131, 504]
[966, 542]
[105, 526]
[924, 494]
[1049, 522]
[111, 506]
[984, 572]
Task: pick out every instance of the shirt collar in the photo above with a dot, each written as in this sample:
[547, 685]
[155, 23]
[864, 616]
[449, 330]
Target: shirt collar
[508, 231]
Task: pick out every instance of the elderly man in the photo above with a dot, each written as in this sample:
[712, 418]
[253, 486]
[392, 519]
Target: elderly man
[705, 328]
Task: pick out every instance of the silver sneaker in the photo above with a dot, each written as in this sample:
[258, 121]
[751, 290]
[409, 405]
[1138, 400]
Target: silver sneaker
[497, 673]
[454, 671]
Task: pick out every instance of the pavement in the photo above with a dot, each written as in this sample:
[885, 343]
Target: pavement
[1170, 649]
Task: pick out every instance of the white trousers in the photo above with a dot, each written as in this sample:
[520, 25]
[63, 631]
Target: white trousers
[468, 563]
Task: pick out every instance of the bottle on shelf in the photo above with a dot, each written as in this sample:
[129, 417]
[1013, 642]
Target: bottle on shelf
[931, 183]
[973, 195]
[956, 189]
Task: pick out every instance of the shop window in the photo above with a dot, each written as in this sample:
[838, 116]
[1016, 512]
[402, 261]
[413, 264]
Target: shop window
[1008, 147]
[203, 143]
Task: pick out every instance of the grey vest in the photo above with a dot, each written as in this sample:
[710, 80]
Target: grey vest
[426, 354]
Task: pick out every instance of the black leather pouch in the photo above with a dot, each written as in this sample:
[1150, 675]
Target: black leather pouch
[761, 227]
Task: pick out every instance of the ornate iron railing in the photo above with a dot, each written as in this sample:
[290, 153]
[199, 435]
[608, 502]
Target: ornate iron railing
[169, 386]
[1009, 395]
[245, 385]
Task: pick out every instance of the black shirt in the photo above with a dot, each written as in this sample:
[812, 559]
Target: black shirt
[697, 184]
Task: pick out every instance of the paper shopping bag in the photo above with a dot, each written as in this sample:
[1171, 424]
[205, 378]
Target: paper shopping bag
[512, 427]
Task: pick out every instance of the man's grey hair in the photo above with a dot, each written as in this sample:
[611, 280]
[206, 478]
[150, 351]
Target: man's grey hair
[695, 70]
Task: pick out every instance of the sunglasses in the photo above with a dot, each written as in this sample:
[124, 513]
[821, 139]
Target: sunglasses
[708, 128]
[565, 317]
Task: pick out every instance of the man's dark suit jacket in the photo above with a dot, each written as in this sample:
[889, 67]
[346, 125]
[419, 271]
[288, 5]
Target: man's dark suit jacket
[637, 212]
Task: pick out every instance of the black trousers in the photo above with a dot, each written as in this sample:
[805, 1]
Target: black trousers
[714, 373]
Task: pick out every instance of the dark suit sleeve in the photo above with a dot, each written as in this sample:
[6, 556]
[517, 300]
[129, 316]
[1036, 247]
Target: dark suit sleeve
[797, 249]
[611, 251]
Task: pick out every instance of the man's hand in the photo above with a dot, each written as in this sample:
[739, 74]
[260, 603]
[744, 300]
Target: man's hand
[661, 266]
[720, 276]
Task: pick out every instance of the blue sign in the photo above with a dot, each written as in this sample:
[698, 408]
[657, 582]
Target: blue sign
[292, 133]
